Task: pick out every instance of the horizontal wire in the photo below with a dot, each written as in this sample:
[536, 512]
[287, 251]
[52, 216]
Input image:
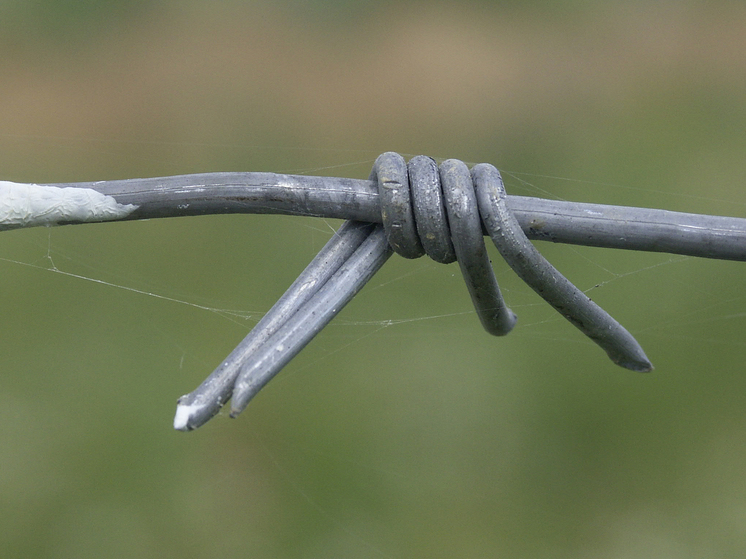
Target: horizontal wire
[355, 199]
[359, 249]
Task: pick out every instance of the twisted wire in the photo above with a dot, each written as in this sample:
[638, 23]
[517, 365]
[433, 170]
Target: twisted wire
[447, 226]
[414, 209]
[425, 209]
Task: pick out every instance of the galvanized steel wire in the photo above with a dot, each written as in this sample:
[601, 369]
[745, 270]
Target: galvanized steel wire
[413, 209]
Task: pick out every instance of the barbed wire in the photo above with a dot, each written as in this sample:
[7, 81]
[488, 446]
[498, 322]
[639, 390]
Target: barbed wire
[413, 209]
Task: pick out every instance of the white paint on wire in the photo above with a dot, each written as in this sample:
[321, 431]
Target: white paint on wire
[27, 205]
[184, 414]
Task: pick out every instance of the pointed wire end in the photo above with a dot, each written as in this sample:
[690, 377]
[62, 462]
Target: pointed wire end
[191, 416]
[242, 395]
[635, 361]
[640, 366]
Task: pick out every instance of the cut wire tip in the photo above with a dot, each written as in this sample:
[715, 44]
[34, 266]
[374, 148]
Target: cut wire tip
[190, 416]
[183, 418]
[425, 209]
[634, 359]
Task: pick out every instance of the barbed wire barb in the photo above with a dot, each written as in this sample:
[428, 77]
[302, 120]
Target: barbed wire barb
[413, 209]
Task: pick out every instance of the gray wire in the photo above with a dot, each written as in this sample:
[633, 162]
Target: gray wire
[442, 212]
[449, 209]
[468, 241]
[206, 400]
[356, 199]
[456, 215]
[546, 280]
[310, 318]
[429, 209]
[391, 175]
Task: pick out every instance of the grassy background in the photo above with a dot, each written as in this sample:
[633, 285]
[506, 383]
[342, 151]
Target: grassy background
[422, 438]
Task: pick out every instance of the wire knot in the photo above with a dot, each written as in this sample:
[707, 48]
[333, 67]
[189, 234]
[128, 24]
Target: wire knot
[412, 198]
[433, 210]
[425, 209]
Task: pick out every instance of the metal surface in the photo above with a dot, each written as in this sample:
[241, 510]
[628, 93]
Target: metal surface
[411, 209]
[356, 199]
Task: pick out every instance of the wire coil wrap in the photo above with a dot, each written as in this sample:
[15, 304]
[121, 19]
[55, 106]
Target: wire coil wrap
[447, 226]
[413, 208]
[440, 211]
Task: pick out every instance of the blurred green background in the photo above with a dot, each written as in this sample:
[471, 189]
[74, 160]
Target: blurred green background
[403, 430]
